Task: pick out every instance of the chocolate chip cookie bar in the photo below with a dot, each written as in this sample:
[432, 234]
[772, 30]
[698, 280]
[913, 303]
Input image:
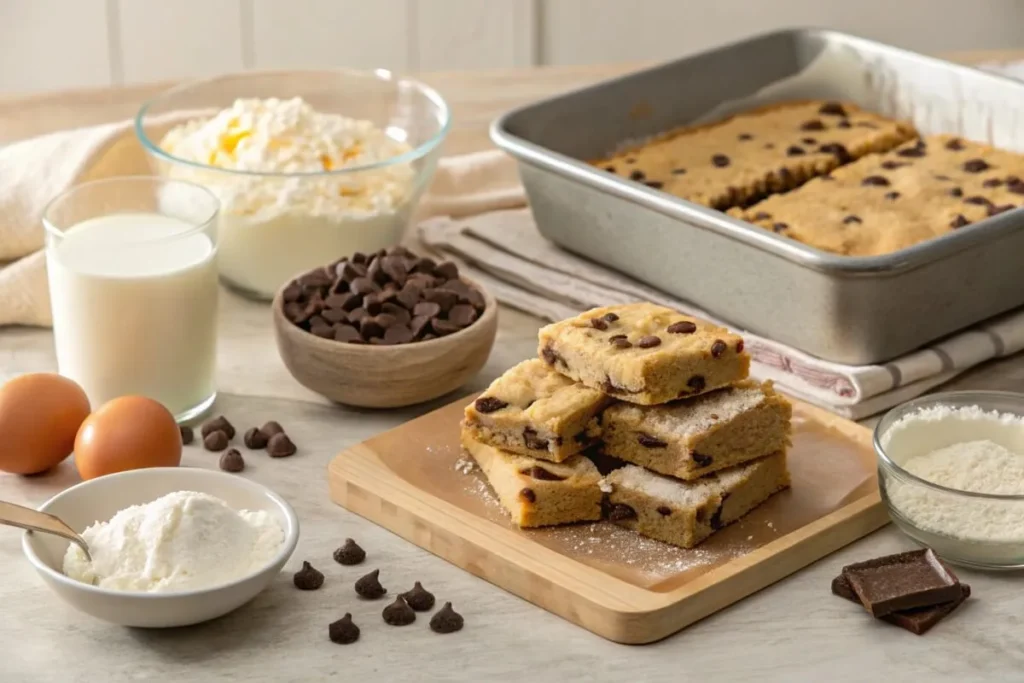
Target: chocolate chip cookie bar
[537, 492]
[684, 513]
[644, 353]
[535, 411]
[886, 202]
[749, 156]
[688, 439]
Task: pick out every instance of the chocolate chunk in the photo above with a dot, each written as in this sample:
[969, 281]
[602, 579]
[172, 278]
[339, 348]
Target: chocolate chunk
[959, 221]
[956, 192]
[648, 441]
[976, 165]
[832, 109]
[718, 348]
[621, 512]
[876, 180]
[700, 459]
[446, 620]
[892, 196]
[852, 219]
[537, 472]
[917, 620]
[744, 136]
[369, 588]
[280, 446]
[187, 435]
[232, 461]
[620, 341]
[418, 598]
[891, 165]
[838, 151]
[992, 182]
[795, 151]
[528, 496]
[996, 210]
[215, 441]
[462, 315]
[308, 578]
[696, 383]
[399, 613]
[343, 631]
[759, 216]
[219, 423]
[637, 174]
[720, 160]
[780, 227]
[682, 327]
[902, 581]
[349, 554]
[813, 124]
[956, 144]
[649, 341]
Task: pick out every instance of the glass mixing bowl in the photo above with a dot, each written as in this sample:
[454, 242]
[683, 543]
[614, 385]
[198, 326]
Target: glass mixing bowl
[275, 225]
[980, 530]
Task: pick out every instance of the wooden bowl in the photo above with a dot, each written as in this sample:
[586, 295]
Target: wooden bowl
[386, 376]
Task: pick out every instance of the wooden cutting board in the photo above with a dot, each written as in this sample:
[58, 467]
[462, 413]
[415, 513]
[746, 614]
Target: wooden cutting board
[604, 578]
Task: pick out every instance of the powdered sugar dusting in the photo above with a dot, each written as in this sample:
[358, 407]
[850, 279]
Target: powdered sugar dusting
[464, 465]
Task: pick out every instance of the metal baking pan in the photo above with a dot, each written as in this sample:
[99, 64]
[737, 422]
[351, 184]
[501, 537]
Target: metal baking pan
[856, 310]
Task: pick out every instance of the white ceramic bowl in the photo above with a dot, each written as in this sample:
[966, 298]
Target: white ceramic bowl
[100, 499]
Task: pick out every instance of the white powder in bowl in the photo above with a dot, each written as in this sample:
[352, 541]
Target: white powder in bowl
[182, 541]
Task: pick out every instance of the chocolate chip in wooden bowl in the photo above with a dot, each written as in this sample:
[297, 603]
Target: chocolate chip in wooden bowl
[349, 554]
[280, 446]
[399, 613]
[343, 631]
[446, 620]
[443, 327]
[219, 423]
[462, 315]
[187, 435]
[369, 587]
[232, 461]
[215, 441]
[419, 598]
[308, 578]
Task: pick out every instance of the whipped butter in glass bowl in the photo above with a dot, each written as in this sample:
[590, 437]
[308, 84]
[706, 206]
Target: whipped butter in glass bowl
[308, 165]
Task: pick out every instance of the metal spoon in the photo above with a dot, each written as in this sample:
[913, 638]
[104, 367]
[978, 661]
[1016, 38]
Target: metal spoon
[33, 520]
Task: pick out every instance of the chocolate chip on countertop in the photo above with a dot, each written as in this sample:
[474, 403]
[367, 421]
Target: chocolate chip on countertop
[398, 613]
[489, 404]
[232, 461]
[369, 587]
[219, 423]
[852, 219]
[976, 165]
[215, 441]
[349, 554]
[682, 327]
[813, 124]
[187, 435]
[620, 512]
[419, 598]
[649, 341]
[832, 109]
[280, 446]
[875, 180]
[343, 631]
[255, 439]
[959, 222]
[718, 348]
[308, 578]
[648, 441]
[720, 160]
[446, 620]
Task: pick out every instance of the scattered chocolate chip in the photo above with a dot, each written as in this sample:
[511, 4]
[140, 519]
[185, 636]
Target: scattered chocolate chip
[598, 324]
[446, 620]
[875, 180]
[664, 510]
[956, 192]
[232, 461]
[780, 227]
[959, 222]
[271, 427]
[992, 182]
[255, 439]
[813, 124]
[399, 613]
[891, 165]
[620, 341]
[892, 196]
[637, 174]
[215, 441]
[700, 459]
[528, 496]
[369, 587]
[308, 578]
[795, 151]
[956, 144]
[682, 327]
[745, 136]
[532, 441]
[649, 342]
[696, 383]
[187, 435]
[720, 160]
[419, 598]
[832, 109]
[349, 554]
[218, 424]
[541, 474]
[343, 631]
[838, 151]
[620, 512]
[648, 441]
[280, 446]
[718, 348]
[852, 219]
[976, 165]
[995, 210]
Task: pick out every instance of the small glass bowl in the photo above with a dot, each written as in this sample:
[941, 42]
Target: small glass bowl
[979, 530]
[267, 234]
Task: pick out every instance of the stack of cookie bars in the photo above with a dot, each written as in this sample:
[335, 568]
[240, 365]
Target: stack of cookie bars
[660, 399]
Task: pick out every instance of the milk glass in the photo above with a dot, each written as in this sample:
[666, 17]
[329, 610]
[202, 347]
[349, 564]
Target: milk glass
[132, 267]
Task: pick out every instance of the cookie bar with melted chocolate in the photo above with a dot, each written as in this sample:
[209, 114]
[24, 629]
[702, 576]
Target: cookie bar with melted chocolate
[537, 492]
[644, 353]
[751, 155]
[534, 410]
[886, 202]
[690, 438]
[684, 513]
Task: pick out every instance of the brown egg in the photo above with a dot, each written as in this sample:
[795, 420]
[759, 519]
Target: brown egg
[127, 433]
[39, 416]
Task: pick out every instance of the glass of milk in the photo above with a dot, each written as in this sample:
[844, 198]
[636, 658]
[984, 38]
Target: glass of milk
[132, 266]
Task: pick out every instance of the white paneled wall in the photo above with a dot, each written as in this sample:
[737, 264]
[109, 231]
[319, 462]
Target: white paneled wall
[51, 44]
